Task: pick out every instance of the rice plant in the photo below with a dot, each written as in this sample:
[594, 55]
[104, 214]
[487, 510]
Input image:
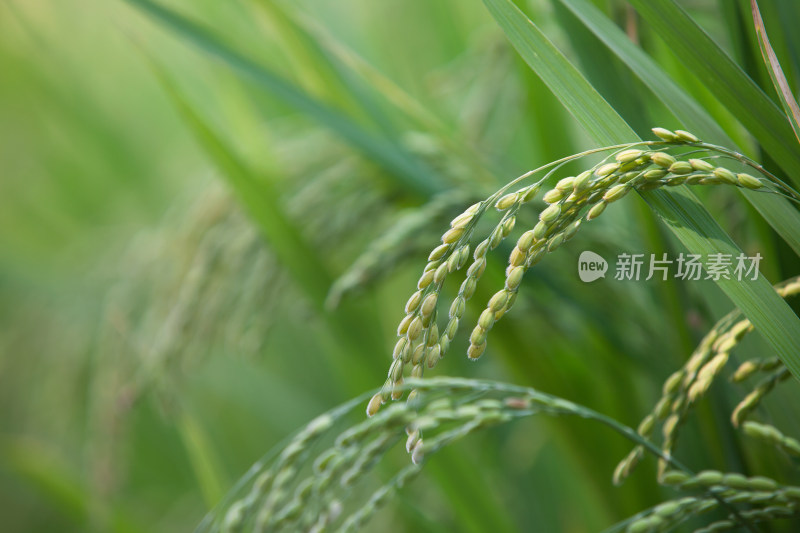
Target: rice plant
[214, 218]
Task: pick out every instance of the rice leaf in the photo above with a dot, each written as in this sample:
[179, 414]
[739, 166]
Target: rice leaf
[409, 171]
[740, 94]
[778, 212]
[776, 72]
[680, 210]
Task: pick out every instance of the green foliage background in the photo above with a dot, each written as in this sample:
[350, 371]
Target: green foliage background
[170, 228]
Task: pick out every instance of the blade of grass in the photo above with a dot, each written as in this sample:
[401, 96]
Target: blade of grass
[776, 72]
[725, 79]
[778, 212]
[680, 210]
[409, 171]
[202, 457]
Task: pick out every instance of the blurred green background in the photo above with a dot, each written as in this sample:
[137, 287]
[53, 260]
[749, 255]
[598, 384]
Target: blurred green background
[157, 337]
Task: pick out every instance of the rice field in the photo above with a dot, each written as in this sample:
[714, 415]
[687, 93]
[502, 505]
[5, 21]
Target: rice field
[490, 265]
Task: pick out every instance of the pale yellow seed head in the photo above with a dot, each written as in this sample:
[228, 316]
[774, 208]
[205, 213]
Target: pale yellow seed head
[452, 328]
[607, 169]
[497, 301]
[478, 335]
[515, 278]
[438, 252]
[662, 159]
[540, 230]
[433, 356]
[414, 329]
[374, 404]
[468, 288]
[582, 182]
[552, 196]
[444, 344]
[413, 303]
[681, 168]
[397, 391]
[463, 255]
[452, 235]
[615, 193]
[413, 437]
[481, 249]
[665, 134]
[486, 320]
[418, 453]
[462, 220]
[535, 256]
[396, 370]
[418, 354]
[508, 225]
[628, 156]
[496, 237]
[506, 201]
[476, 269]
[428, 304]
[596, 210]
[457, 307]
[471, 210]
[686, 136]
[550, 213]
[403, 326]
[748, 181]
[572, 230]
[517, 257]
[701, 166]
[399, 348]
[526, 241]
[425, 279]
[452, 263]
[440, 273]
[432, 265]
[530, 193]
[726, 175]
[555, 242]
[655, 174]
[566, 185]
[673, 382]
[476, 350]
[646, 426]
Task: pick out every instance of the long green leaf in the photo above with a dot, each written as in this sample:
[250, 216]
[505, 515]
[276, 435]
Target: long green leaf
[680, 210]
[740, 94]
[776, 72]
[416, 176]
[778, 212]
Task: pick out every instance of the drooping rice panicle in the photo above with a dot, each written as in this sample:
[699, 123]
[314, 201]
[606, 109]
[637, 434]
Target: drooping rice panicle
[574, 200]
[686, 386]
[772, 435]
[751, 402]
[314, 488]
